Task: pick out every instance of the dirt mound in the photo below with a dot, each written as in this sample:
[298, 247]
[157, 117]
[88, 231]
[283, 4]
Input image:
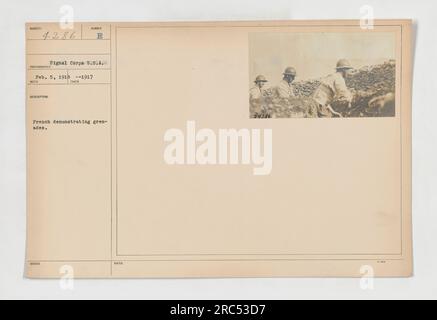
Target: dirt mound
[274, 107]
[377, 80]
[305, 88]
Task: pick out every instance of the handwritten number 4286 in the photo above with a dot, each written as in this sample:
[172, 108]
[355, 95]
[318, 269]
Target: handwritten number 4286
[67, 35]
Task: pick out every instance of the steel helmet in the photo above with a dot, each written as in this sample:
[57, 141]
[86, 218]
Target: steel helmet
[290, 71]
[260, 78]
[344, 64]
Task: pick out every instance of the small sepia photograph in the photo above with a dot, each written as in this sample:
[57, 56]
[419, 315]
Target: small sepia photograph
[322, 75]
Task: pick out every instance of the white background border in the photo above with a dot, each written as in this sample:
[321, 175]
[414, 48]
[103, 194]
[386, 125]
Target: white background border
[13, 15]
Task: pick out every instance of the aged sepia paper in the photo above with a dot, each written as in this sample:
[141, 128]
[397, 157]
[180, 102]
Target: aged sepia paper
[219, 149]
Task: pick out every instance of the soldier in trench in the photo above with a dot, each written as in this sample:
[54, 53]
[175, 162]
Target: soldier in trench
[333, 87]
[256, 96]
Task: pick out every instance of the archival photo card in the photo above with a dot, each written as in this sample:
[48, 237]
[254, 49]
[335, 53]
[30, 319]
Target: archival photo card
[163, 150]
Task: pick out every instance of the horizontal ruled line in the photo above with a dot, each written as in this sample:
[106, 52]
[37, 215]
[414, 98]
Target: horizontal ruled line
[67, 40]
[53, 69]
[65, 84]
[67, 54]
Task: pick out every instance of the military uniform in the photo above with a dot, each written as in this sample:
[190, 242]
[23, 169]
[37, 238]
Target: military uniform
[332, 87]
[285, 90]
[256, 93]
